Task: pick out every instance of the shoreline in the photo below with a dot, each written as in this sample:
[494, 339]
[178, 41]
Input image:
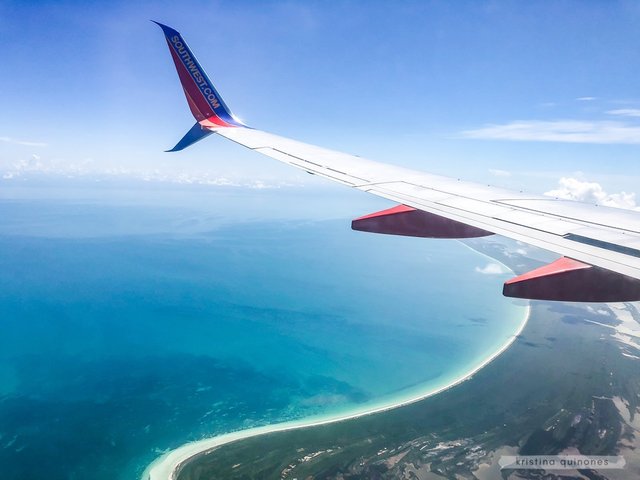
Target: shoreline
[168, 465]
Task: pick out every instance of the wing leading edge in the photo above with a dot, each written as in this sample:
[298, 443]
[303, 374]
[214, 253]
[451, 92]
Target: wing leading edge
[601, 244]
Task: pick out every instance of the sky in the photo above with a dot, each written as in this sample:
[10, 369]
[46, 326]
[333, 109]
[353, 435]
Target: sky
[537, 96]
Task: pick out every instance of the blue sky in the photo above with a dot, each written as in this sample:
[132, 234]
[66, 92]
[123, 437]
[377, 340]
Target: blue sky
[519, 94]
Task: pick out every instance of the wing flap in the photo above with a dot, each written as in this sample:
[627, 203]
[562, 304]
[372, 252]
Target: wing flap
[598, 215]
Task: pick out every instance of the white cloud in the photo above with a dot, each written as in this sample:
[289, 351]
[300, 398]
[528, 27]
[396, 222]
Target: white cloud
[585, 99]
[592, 192]
[26, 143]
[625, 112]
[570, 131]
[499, 173]
[36, 165]
[491, 269]
[600, 311]
[518, 252]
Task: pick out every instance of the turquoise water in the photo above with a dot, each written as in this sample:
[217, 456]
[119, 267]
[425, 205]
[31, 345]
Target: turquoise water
[129, 328]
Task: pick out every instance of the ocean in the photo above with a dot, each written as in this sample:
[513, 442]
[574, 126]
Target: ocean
[133, 320]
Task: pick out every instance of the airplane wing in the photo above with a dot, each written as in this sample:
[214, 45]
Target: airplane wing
[600, 246]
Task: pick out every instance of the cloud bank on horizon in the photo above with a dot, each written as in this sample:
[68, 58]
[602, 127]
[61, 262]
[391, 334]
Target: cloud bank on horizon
[35, 167]
[25, 143]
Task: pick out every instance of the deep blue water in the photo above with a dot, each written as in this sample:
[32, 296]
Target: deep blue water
[128, 328]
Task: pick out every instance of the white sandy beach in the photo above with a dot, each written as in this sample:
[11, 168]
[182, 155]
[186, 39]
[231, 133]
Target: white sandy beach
[167, 466]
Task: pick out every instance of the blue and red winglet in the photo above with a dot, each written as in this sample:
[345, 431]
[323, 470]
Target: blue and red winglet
[205, 102]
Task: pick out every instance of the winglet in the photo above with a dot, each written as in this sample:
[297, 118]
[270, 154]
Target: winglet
[195, 134]
[205, 102]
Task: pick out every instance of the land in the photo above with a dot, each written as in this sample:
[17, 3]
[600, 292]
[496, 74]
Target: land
[570, 383]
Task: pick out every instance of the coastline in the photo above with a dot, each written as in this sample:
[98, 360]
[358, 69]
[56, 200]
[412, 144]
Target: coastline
[168, 465]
